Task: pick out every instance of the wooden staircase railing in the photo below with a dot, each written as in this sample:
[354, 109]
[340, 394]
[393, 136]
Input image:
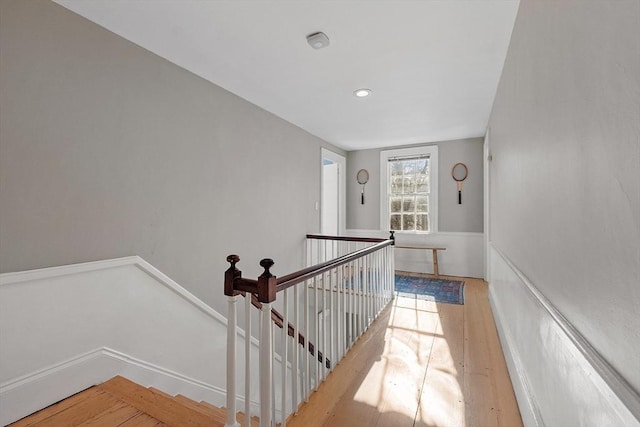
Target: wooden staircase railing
[349, 283]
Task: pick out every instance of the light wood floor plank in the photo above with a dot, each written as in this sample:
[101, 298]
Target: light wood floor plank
[436, 365]
[80, 412]
[114, 416]
[56, 408]
[442, 399]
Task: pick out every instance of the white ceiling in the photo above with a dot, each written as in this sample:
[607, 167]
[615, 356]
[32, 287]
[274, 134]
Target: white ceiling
[433, 66]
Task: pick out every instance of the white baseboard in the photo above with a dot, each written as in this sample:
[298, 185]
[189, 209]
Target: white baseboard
[528, 409]
[558, 377]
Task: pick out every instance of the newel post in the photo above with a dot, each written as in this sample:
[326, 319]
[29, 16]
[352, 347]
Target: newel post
[266, 295]
[232, 333]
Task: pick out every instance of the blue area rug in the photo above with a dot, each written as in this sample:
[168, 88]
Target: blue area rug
[430, 289]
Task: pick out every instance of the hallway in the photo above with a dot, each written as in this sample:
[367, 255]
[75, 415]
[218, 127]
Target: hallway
[421, 364]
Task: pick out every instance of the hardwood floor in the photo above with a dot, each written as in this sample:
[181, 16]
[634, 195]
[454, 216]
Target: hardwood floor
[421, 364]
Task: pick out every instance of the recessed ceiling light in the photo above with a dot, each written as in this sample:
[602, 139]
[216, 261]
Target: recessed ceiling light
[361, 93]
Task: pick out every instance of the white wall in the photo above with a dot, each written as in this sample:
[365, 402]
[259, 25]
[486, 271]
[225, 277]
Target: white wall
[460, 226]
[108, 150]
[558, 377]
[463, 257]
[66, 328]
[565, 190]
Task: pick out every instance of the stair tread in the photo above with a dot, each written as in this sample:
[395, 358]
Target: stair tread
[160, 392]
[143, 420]
[122, 402]
[213, 411]
[156, 404]
[255, 421]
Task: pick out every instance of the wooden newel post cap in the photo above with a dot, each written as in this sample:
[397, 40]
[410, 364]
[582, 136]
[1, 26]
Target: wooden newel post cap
[233, 260]
[266, 282]
[266, 263]
[230, 275]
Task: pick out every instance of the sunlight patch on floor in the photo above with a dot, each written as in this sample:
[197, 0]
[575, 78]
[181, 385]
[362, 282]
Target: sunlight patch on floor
[415, 350]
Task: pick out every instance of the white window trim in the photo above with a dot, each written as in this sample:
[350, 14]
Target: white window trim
[385, 155]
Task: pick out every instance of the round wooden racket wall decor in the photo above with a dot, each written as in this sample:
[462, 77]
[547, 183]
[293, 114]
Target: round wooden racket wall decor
[459, 173]
[363, 177]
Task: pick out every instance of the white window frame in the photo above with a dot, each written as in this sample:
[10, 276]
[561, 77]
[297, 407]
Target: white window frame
[425, 150]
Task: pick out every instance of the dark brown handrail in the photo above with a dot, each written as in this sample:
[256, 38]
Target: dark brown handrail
[345, 238]
[268, 285]
[300, 276]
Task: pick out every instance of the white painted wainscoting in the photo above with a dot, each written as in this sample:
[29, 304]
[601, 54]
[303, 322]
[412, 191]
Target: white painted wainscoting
[464, 255]
[558, 378]
[64, 329]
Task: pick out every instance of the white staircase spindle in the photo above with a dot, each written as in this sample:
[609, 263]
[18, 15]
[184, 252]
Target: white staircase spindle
[307, 373]
[325, 281]
[295, 348]
[247, 360]
[341, 311]
[232, 333]
[273, 379]
[332, 314]
[285, 335]
[365, 291]
[266, 365]
[360, 298]
[316, 333]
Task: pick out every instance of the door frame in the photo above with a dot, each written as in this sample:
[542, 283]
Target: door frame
[342, 186]
[486, 154]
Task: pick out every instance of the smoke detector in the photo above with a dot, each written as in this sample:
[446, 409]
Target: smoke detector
[318, 40]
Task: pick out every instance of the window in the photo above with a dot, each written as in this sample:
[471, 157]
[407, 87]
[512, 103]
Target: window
[408, 196]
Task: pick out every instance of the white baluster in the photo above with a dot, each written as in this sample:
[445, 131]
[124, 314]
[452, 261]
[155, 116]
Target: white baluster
[341, 311]
[392, 271]
[366, 291]
[232, 333]
[266, 365]
[323, 363]
[285, 335]
[317, 332]
[247, 359]
[360, 297]
[273, 377]
[295, 349]
[352, 302]
[307, 373]
[380, 278]
[332, 313]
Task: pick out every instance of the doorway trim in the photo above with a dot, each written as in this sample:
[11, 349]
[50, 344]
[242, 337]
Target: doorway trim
[342, 186]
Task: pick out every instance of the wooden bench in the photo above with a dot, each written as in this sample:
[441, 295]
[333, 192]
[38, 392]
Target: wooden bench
[434, 252]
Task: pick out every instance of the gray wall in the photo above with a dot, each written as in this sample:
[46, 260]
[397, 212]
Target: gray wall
[451, 216]
[565, 175]
[107, 150]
